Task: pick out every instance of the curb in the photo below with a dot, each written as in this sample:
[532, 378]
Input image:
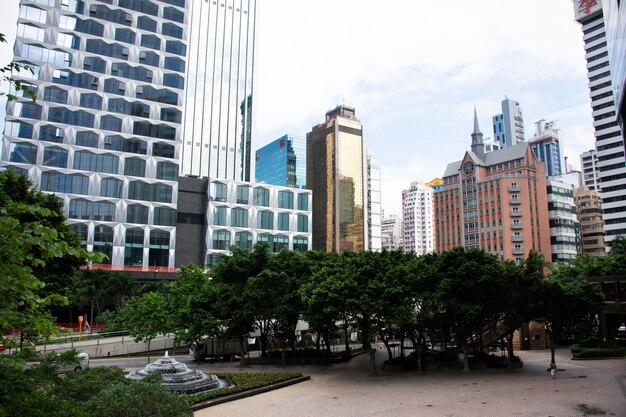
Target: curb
[249, 393]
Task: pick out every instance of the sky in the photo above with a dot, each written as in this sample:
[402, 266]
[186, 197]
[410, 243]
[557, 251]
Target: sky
[414, 70]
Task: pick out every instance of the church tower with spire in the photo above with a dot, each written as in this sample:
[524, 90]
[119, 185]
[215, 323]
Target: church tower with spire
[478, 144]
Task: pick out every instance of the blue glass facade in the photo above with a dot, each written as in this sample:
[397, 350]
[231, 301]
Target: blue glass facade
[548, 151]
[282, 162]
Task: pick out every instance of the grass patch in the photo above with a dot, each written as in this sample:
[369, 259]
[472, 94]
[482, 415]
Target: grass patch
[244, 381]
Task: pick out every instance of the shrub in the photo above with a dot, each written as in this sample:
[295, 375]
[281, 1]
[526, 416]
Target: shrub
[245, 381]
[584, 353]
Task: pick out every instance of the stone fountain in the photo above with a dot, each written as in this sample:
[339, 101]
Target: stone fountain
[178, 378]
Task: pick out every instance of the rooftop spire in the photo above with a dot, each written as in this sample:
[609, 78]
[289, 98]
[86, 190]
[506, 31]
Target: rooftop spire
[476, 128]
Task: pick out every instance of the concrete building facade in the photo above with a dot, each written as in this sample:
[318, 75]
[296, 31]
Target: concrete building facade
[609, 143]
[589, 213]
[615, 23]
[495, 201]
[418, 234]
[337, 177]
[508, 126]
[564, 227]
[104, 134]
[391, 231]
[374, 206]
[589, 166]
[225, 213]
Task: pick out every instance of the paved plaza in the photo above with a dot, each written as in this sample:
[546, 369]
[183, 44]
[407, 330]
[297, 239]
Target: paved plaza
[581, 388]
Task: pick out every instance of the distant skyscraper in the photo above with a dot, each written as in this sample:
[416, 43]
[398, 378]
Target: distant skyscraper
[508, 126]
[335, 174]
[418, 230]
[104, 133]
[374, 208]
[589, 166]
[545, 144]
[615, 21]
[589, 213]
[282, 162]
[217, 134]
[609, 141]
[391, 231]
[564, 226]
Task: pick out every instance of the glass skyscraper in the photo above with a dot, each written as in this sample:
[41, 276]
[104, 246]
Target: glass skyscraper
[104, 132]
[336, 175]
[217, 134]
[282, 162]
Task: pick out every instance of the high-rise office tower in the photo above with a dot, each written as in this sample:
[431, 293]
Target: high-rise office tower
[564, 227]
[496, 201]
[217, 134]
[104, 132]
[282, 162]
[418, 231]
[508, 126]
[545, 144]
[615, 21]
[374, 207]
[589, 213]
[335, 175]
[609, 142]
[589, 166]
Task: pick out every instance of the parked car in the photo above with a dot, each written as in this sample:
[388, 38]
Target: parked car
[2, 347]
[65, 367]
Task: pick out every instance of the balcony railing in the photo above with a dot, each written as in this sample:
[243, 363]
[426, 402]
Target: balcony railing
[518, 251]
[514, 188]
[516, 213]
[517, 239]
[517, 225]
[515, 201]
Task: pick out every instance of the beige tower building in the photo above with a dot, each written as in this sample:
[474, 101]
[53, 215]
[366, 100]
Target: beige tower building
[589, 212]
[335, 174]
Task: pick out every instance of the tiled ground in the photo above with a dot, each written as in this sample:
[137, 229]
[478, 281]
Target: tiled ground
[581, 388]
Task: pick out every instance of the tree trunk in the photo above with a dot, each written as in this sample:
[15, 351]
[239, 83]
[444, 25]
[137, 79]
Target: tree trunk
[553, 342]
[243, 362]
[386, 342]
[418, 351]
[149, 340]
[373, 370]
[509, 352]
[466, 368]
[402, 344]
[345, 335]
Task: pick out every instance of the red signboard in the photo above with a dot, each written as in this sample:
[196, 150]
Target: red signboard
[586, 5]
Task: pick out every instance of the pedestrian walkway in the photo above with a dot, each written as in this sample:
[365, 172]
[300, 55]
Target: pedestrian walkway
[581, 388]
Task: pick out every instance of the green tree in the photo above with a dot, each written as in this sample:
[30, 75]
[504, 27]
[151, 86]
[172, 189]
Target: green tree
[7, 76]
[187, 321]
[145, 317]
[34, 236]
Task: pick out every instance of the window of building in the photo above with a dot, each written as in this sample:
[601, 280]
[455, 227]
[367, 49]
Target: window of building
[18, 129]
[95, 64]
[243, 240]
[221, 239]
[283, 221]
[67, 40]
[243, 193]
[28, 110]
[149, 58]
[303, 223]
[133, 247]
[300, 243]
[280, 242]
[146, 23]
[174, 64]
[30, 32]
[139, 73]
[285, 199]
[55, 94]
[265, 220]
[87, 138]
[176, 47]
[171, 115]
[103, 242]
[50, 133]
[82, 231]
[160, 96]
[135, 146]
[114, 86]
[116, 16]
[220, 192]
[141, 6]
[165, 216]
[125, 35]
[265, 238]
[167, 171]
[154, 131]
[55, 157]
[136, 213]
[23, 153]
[111, 187]
[87, 161]
[112, 123]
[239, 217]
[85, 26]
[33, 14]
[174, 80]
[92, 210]
[261, 197]
[113, 50]
[303, 201]
[159, 193]
[163, 150]
[159, 248]
[174, 14]
[91, 101]
[135, 167]
[62, 183]
[170, 29]
[219, 216]
[151, 41]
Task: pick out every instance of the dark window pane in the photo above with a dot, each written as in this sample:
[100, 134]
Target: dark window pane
[91, 101]
[86, 138]
[135, 167]
[51, 134]
[151, 41]
[176, 47]
[146, 23]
